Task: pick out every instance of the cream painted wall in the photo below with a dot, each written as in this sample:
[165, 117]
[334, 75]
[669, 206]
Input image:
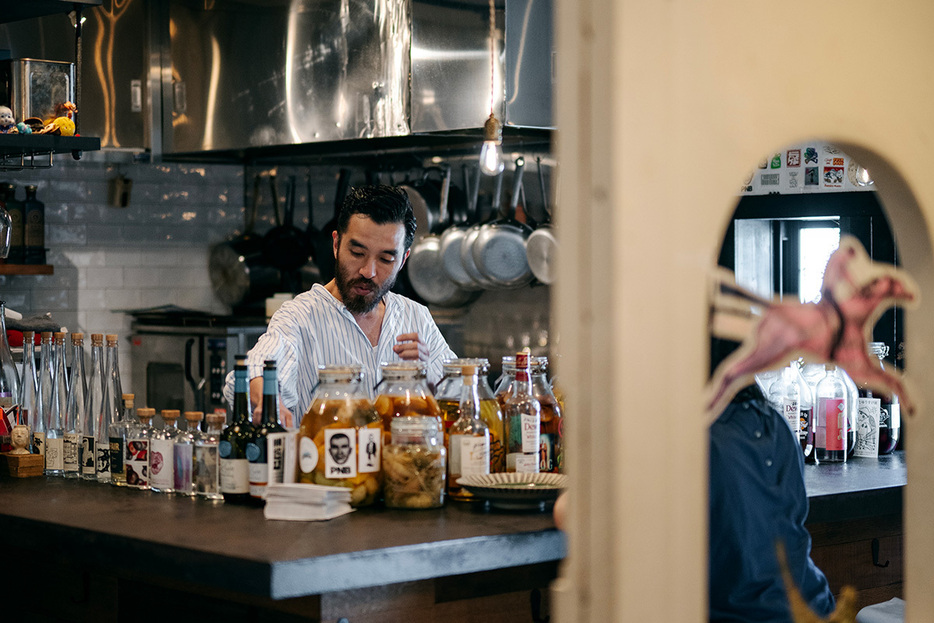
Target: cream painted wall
[663, 108]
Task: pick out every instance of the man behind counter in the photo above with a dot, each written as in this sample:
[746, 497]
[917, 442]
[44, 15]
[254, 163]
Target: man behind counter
[354, 318]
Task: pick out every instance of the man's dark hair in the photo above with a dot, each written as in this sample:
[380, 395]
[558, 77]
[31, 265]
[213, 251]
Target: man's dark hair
[383, 204]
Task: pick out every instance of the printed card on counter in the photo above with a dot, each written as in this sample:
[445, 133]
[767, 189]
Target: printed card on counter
[306, 502]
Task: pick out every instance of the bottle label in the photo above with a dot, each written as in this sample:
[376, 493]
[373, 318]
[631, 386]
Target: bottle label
[205, 470]
[103, 461]
[340, 460]
[137, 463]
[53, 454]
[474, 454]
[531, 428]
[867, 427]
[369, 444]
[275, 453]
[235, 475]
[183, 467]
[546, 453]
[38, 442]
[116, 457]
[225, 448]
[161, 464]
[88, 455]
[70, 448]
[895, 415]
[524, 463]
[259, 473]
[307, 455]
[835, 431]
[805, 422]
[792, 413]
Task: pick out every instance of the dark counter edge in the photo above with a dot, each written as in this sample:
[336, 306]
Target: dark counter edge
[285, 579]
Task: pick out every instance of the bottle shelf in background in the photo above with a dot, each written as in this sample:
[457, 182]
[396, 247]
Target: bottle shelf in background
[26, 269]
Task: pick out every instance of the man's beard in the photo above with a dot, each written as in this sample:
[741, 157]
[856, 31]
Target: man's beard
[355, 303]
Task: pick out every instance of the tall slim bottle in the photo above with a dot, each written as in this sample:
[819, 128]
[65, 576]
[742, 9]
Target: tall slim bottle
[58, 397]
[76, 449]
[162, 453]
[523, 414]
[266, 450]
[184, 453]
[111, 409]
[831, 433]
[9, 381]
[119, 433]
[235, 468]
[43, 393]
[205, 469]
[93, 404]
[29, 389]
[137, 450]
[469, 438]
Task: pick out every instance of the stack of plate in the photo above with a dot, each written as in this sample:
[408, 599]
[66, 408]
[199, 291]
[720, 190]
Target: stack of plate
[516, 491]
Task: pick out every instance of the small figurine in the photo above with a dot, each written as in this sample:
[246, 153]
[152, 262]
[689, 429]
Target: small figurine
[61, 125]
[7, 121]
[23, 128]
[20, 439]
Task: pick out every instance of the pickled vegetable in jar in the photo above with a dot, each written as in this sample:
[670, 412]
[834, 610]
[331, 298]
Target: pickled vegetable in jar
[551, 452]
[448, 394]
[340, 437]
[404, 392]
[414, 463]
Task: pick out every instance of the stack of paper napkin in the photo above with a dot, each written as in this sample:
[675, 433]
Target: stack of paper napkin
[301, 502]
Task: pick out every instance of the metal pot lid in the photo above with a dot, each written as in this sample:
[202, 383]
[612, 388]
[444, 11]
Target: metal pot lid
[541, 249]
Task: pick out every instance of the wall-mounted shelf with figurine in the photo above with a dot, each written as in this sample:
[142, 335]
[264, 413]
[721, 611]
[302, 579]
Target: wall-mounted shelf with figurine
[32, 151]
[26, 269]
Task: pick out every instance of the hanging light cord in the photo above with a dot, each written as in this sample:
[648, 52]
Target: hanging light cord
[492, 57]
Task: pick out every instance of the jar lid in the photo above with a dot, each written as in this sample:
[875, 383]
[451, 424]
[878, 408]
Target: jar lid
[537, 364]
[349, 372]
[455, 365]
[403, 370]
[414, 429]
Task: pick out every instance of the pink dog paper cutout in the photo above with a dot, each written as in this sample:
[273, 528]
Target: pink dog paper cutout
[835, 330]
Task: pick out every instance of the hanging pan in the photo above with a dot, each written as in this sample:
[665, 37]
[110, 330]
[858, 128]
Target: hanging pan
[285, 245]
[541, 247]
[452, 240]
[499, 249]
[467, 259]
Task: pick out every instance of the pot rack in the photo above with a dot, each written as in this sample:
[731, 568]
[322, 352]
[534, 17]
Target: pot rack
[31, 151]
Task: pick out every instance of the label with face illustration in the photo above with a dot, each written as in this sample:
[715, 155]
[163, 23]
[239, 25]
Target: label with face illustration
[340, 460]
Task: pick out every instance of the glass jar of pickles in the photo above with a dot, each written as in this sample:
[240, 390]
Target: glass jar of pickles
[404, 392]
[551, 450]
[340, 437]
[414, 463]
[448, 394]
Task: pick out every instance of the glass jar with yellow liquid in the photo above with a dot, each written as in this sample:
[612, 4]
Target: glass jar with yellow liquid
[404, 392]
[448, 395]
[341, 436]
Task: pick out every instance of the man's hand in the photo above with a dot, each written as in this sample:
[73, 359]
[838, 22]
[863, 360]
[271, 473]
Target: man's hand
[408, 346]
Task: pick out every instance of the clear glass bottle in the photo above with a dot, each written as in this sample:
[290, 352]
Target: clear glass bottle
[235, 468]
[523, 417]
[403, 391]
[468, 439]
[205, 470]
[137, 449]
[44, 393]
[806, 411]
[58, 397]
[75, 444]
[785, 395]
[9, 381]
[184, 453]
[29, 391]
[119, 433]
[852, 405]
[551, 444]
[414, 463]
[93, 404]
[111, 408]
[162, 453]
[266, 450]
[340, 437]
[448, 394]
[830, 433]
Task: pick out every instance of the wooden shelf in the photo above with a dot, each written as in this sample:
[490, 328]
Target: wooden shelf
[26, 269]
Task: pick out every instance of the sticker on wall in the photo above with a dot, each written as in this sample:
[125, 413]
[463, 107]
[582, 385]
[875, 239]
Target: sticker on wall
[777, 161]
[835, 329]
[793, 179]
[793, 158]
[810, 155]
[764, 163]
[833, 177]
[811, 176]
[769, 179]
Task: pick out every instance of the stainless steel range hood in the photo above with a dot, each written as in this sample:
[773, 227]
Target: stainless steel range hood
[247, 74]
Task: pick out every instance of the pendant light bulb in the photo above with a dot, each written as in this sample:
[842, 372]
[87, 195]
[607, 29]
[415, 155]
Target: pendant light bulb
[491, 154]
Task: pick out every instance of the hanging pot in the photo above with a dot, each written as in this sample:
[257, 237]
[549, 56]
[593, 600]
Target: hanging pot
[285, 245]
[452, 239]
[324, 241]
[499, 249]
[310, 274]
[425, 272]
[237, 268]
[541, 247]
[470, 237]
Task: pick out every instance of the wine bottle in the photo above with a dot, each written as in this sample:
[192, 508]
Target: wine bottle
[266, 450]
[235, 468]
[469, 438]
[162, 453]
[831, 433]
[74, 440]
[94, 402]
[522, 414]
[34, 227]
